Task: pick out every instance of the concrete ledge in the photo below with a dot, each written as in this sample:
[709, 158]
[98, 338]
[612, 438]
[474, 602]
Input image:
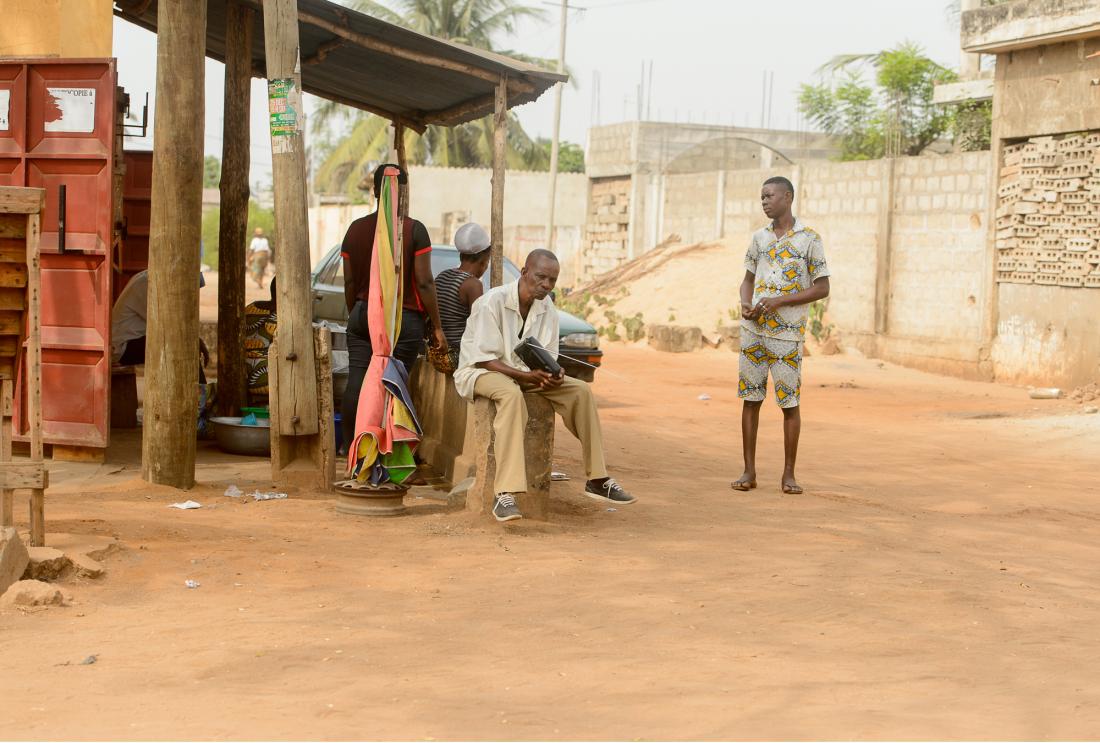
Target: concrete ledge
[538, 444]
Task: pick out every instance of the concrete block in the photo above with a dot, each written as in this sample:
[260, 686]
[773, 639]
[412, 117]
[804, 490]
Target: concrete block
[13, 558]
[538, 445]
[86, 567]
[34, 593]
[674, 338]
[47, 563]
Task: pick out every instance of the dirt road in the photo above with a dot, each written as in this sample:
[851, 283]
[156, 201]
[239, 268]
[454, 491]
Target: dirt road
[937, 580]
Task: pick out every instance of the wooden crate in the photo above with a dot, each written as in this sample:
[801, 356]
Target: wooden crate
[20, 229]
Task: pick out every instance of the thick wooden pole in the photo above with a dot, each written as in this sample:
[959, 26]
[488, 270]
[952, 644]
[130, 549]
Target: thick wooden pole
[172, 337]
[295, 411]
[554, 143]
[496, 232]
[402, 160]
[232, 371]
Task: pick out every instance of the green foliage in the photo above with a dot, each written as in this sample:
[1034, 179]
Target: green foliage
[576, 303]
[818, 329]
[257, 217]
[634, 327]
[611, 332]
[973, 125]
[894, 116]
[570, 156]
[734, 313]
[211, 172]
[476, 23]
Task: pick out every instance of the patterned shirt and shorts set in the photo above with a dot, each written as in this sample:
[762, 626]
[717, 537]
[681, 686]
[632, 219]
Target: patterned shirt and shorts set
[773, 341]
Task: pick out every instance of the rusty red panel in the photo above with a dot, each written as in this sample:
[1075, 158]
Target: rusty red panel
[11, 172]
[88, 197]
[68, 119]
[13, 83]
[137, 187]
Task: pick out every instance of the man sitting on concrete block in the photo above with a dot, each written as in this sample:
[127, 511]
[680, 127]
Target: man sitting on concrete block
[489, 367]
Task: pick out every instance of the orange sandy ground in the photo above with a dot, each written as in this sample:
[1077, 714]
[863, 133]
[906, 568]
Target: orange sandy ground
[937, 580]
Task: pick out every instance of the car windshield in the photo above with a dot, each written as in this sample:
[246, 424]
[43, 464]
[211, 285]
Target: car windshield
[444, 257]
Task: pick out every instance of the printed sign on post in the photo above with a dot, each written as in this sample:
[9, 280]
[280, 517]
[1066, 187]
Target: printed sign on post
[70, 110]
[5, 105]
[284, 105]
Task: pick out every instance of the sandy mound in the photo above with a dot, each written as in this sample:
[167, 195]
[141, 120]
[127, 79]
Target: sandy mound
[671, 284]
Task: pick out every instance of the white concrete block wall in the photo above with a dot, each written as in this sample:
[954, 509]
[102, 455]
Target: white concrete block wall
[938, 247]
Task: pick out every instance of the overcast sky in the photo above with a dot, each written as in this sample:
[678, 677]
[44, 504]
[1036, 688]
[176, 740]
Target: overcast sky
[708, 57]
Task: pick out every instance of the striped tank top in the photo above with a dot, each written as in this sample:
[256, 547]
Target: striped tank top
[452, 313]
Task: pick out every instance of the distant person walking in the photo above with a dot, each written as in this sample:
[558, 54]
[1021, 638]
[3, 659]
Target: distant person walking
[785, 271]
[259, 255]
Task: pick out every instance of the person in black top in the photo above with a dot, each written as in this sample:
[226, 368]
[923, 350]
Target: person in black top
[419, 298]
[458, 288]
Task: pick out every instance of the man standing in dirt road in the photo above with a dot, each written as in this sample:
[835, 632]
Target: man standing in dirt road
[785, 271]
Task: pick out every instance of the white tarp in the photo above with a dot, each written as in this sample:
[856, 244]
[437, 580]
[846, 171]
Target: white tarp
[5, 105]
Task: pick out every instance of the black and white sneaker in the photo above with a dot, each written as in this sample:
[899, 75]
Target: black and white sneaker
[608, 490]
[505, 508]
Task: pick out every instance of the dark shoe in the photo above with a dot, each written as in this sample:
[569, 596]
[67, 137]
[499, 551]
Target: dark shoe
[608, 490]
[505, 508]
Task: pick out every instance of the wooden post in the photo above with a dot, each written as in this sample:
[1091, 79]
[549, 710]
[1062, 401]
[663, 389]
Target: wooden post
[403, 188]
[33, 380]
[294, 410]
[882, 246]
[496, 234]
[172, 345]
[233, 226]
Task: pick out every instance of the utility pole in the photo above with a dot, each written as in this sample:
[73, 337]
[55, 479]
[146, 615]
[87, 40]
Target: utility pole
[557, 127]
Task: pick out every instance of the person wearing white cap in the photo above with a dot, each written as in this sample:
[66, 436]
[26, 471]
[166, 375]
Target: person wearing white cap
[457, 288]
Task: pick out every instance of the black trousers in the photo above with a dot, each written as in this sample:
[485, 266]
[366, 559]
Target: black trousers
[410, 344]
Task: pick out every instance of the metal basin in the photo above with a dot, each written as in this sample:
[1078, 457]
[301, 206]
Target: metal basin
[252, 441]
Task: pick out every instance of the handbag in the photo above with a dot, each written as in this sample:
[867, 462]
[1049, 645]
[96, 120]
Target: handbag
[536, 357]
[445, 362]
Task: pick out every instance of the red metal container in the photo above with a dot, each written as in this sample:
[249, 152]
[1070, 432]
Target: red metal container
[59, 129]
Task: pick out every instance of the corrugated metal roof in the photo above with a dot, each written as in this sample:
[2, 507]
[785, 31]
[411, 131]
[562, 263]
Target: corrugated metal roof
[359, 60]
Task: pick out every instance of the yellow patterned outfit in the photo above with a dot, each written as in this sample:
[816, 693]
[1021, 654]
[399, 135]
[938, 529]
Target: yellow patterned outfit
[773, 341]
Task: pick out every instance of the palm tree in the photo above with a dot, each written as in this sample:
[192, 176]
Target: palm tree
[473, 22]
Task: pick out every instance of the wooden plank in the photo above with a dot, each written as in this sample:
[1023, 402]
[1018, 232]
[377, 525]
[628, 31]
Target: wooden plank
[38, 517]
[13, 275]
[295, 409]
[7, 496]
[233, 219]
[12, 299]
[7, 368]
[11, 322]
[13, 249]
[323, 341]
[500, 127]
[23, 475]
[13, 226]
[65, 453]
[168, 438]
[18, 200]
[33, 366]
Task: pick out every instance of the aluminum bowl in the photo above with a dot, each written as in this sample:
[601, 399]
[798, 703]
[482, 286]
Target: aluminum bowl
[252, 441]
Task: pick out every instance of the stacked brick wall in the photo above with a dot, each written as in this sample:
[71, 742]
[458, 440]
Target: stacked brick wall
[690, 204]
[607, 226]
[1048, 213]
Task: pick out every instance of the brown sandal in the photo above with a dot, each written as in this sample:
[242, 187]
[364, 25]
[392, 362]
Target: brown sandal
[791, 489]
[743, 485]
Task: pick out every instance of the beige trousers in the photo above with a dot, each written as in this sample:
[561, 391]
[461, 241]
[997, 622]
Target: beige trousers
[574, 403]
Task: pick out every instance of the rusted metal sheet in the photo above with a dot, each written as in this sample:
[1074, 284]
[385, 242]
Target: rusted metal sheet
[60, 136]
[132, 255]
